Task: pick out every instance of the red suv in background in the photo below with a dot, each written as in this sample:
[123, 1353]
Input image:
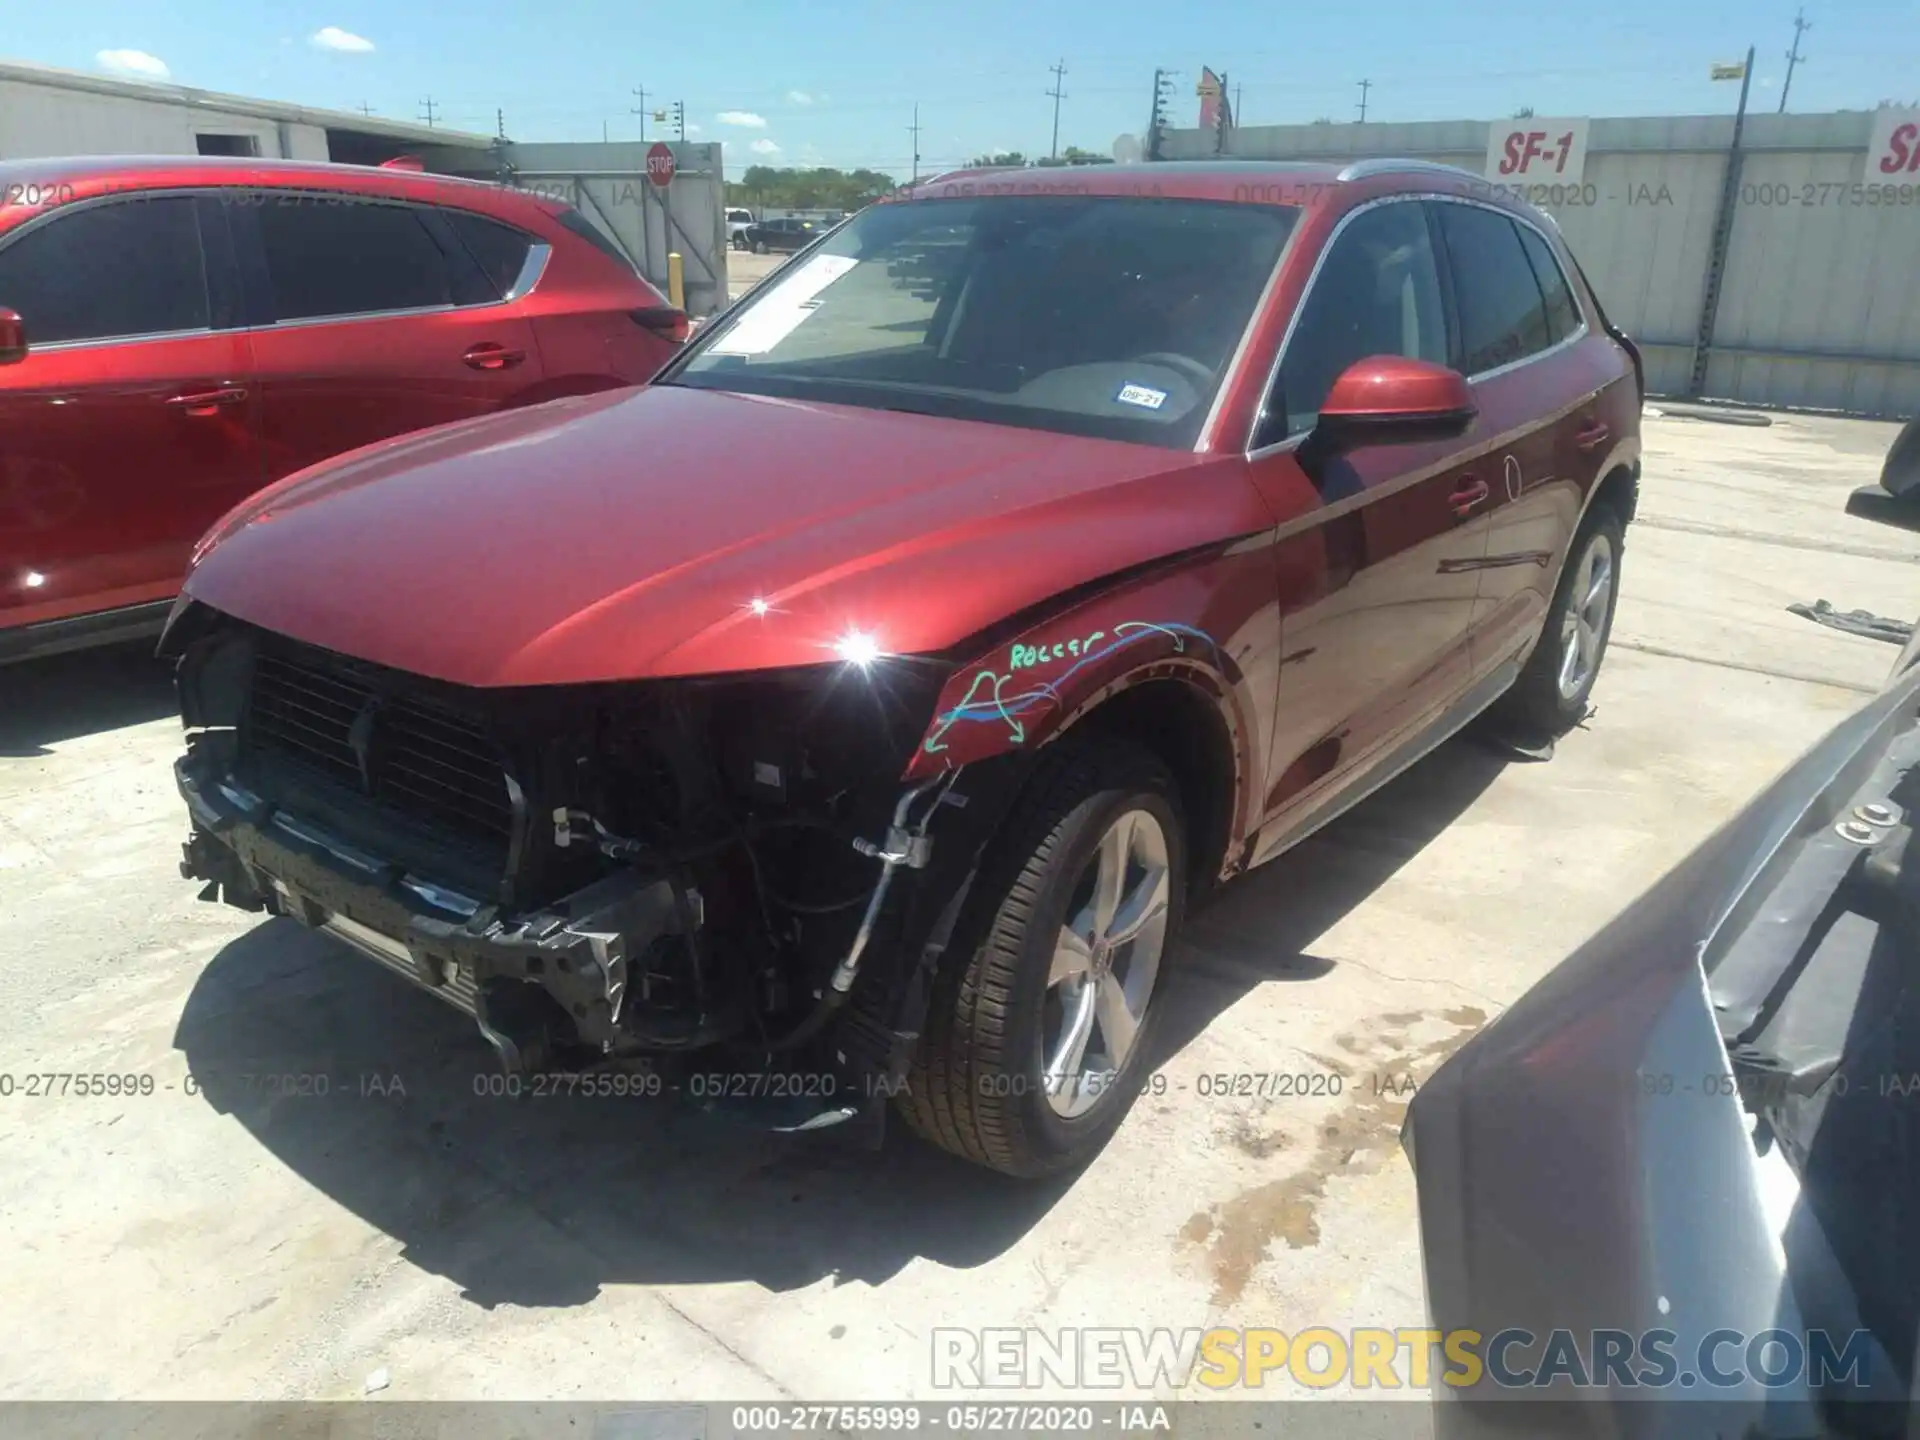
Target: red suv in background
[177, 333]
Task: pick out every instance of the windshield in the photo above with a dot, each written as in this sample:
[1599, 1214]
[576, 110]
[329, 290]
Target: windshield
[1113, 317]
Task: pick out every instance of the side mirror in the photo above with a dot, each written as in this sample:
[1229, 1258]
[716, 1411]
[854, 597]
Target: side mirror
[1392, 400]
[1896, 499]
[13, 338]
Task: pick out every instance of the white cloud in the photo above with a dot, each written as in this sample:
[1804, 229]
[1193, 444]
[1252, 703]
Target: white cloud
[692, 128]
[764, 147]
[332, 37]
[136, 63]
[742, 117]
[799, 97]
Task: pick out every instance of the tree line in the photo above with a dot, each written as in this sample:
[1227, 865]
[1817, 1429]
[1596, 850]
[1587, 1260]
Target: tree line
[822, 187]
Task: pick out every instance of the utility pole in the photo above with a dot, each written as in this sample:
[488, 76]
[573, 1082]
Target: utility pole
[680, 119]
[1722, 238]
[1157, 123]
[427, 105]
[1059, 71]
[1236, 102]
[1800, 26]
[1365, 85]
[365, 109]
[604, 137]
[914, 130]
[500, 124]
[1222, 114]
[641, 111]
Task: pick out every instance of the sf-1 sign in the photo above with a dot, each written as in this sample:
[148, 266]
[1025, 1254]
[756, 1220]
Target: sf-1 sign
[1533, 149]
[1894, 151]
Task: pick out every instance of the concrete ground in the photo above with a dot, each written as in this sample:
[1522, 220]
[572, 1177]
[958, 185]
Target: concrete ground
[241, 1242]
[746, 270]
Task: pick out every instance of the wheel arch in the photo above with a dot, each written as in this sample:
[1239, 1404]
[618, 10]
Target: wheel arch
[1189, 731]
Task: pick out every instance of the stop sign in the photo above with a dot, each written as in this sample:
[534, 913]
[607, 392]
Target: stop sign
[660, 164]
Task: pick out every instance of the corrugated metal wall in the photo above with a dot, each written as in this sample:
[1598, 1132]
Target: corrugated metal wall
[1820, 300]
[608, 184]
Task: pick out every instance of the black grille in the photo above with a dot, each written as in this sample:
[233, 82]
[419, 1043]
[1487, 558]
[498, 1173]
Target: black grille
[405, 758]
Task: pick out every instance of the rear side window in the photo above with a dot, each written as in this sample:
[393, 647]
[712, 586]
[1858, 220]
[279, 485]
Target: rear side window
[1503, 317]
[1563, 318]
[589, 232]
[499, 250]
[134, 267]
[335, 255]
[1378, 293]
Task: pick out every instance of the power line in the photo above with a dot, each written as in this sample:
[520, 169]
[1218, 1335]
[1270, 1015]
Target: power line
[1800, 26]
[1059, 73]
[1365, 85]
[428, 106]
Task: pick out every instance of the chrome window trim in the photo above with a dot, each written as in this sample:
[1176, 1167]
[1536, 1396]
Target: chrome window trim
[532, 270]
[104, 342]
[1313, 278]
[535, 266]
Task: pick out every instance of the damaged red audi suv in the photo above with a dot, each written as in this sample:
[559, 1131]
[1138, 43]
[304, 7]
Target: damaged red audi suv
[854, 710]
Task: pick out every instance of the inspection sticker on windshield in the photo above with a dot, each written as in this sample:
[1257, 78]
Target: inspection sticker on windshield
[1145, 396]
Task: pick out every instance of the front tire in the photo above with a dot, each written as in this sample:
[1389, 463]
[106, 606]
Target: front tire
[1551, 695]
[1038, 1037]
[759, 247]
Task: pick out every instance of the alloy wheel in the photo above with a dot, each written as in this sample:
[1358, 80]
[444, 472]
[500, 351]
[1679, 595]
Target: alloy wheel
[1105, 962]
[1584, 627]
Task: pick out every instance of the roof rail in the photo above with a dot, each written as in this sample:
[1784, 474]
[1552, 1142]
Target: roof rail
[1361, 169]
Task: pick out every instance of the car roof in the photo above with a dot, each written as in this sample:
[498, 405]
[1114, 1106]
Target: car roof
[30, 186]
[1305, 183]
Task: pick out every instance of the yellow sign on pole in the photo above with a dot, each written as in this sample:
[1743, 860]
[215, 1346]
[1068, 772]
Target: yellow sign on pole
[1736, 71]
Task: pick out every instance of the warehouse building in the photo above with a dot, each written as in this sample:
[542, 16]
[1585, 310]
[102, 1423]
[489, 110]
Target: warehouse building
[44, 111]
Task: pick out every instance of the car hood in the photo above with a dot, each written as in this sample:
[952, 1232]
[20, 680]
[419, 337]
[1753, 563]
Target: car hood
[629, 534]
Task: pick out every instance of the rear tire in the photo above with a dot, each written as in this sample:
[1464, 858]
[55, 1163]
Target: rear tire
[1066, 937]
[1550, 696]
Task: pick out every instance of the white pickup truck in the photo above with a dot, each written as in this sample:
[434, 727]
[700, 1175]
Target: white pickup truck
[738, 220]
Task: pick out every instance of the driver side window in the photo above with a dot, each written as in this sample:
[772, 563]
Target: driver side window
[1377, 294]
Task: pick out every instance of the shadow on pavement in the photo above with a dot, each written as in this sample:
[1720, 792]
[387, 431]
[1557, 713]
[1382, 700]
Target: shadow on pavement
[541, 1201]
[1261, 927]
[84, 692]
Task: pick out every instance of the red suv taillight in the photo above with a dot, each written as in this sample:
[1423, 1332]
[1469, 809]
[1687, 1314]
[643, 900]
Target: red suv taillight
[664, 320]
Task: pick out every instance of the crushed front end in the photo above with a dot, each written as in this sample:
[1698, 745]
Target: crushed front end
[718, 877]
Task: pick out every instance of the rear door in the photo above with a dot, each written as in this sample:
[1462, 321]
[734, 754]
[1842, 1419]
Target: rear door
[1515, 334]
[1378, 582]
[371, 318]
[129, 426]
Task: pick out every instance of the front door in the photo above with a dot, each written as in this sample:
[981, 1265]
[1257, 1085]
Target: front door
[129, 427]
[1379, 547]
[370, 319]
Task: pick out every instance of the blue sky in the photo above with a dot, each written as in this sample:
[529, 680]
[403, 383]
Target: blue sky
[835, 83]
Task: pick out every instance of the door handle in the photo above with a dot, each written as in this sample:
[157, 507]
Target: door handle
[1468, 497]
[489, 356]
[208, 402]
[1592, 435]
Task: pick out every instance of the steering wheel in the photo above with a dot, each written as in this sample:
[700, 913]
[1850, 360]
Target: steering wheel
[1185, 364]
